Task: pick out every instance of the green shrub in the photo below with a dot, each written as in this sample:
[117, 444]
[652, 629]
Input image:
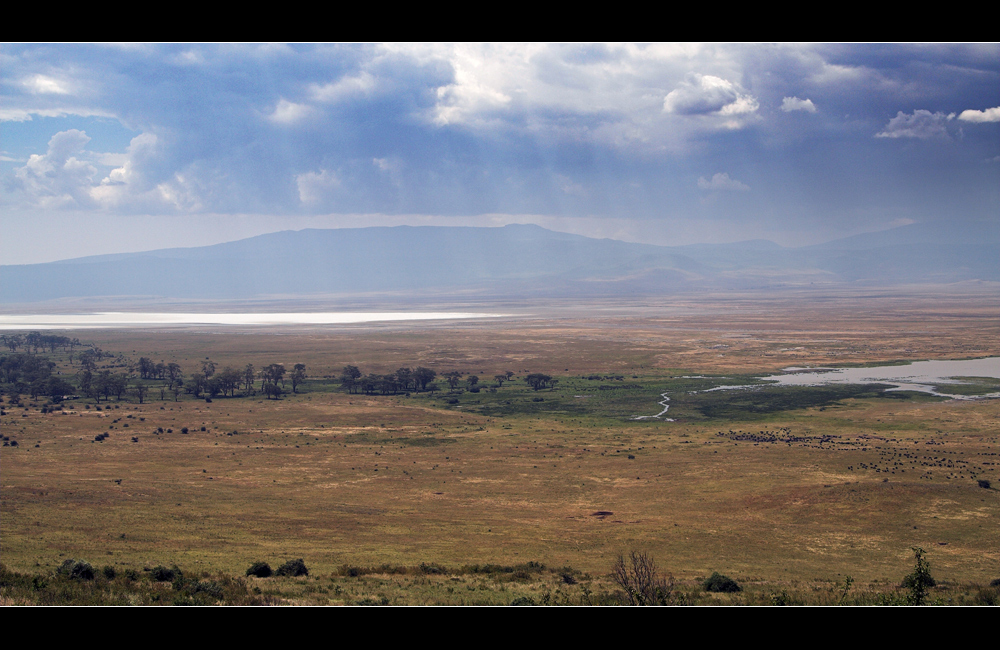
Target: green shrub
[432, 569]
[988, 596]
[260, 570]
[161, 573]
[76, 570]
[920, 579]
[293, 568]
[109, 572]
[721, 584]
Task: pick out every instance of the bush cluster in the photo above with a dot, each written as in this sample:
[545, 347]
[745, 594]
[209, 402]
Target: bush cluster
[293, 568]
[260, 570]
[76, 570]
[161, 573]
[721, 584]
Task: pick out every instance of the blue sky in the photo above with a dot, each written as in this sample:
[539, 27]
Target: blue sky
[114, 148]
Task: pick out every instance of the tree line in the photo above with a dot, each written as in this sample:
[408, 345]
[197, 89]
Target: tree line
[35, 341]
[24, 373]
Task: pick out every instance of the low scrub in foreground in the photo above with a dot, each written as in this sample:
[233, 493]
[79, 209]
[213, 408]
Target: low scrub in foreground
[635, 580]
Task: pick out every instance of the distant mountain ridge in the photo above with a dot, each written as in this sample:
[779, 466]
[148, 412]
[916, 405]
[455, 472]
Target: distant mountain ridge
[509, 260]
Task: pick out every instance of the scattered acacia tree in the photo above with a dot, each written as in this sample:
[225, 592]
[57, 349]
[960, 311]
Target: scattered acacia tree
[638, 577]
[146, 368]
[537, 380]
[273, 374]
[453, 378]
[196, 385]
[298, 375]
[249, 374]
[88, 360]
[404, 377]
[229, 380]
[349, 378]
[423, 376]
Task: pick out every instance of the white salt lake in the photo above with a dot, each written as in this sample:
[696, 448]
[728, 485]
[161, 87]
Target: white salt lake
[923, 376]
[160, 319]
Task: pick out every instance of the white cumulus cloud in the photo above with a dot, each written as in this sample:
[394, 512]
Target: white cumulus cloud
[789, 104]
[58, 178]
[722, 182]
[920, 124]
[315, 187]
[360, 84]
[287, 112]
[705, 94]
[128, 179]
[989, 115]
[41, 84]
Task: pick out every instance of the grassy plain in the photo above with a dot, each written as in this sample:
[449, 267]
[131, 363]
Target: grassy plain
[790, 489]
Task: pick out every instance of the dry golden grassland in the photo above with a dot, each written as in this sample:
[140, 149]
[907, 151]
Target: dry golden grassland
[784, 498]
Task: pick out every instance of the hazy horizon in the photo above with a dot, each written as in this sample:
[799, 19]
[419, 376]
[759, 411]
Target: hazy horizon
[251, 235]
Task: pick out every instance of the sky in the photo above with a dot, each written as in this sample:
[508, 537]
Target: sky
[109, 148]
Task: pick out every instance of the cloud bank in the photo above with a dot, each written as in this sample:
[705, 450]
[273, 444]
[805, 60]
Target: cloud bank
[596, 133]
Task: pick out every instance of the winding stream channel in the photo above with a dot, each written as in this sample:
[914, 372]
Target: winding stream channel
[665, 406]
